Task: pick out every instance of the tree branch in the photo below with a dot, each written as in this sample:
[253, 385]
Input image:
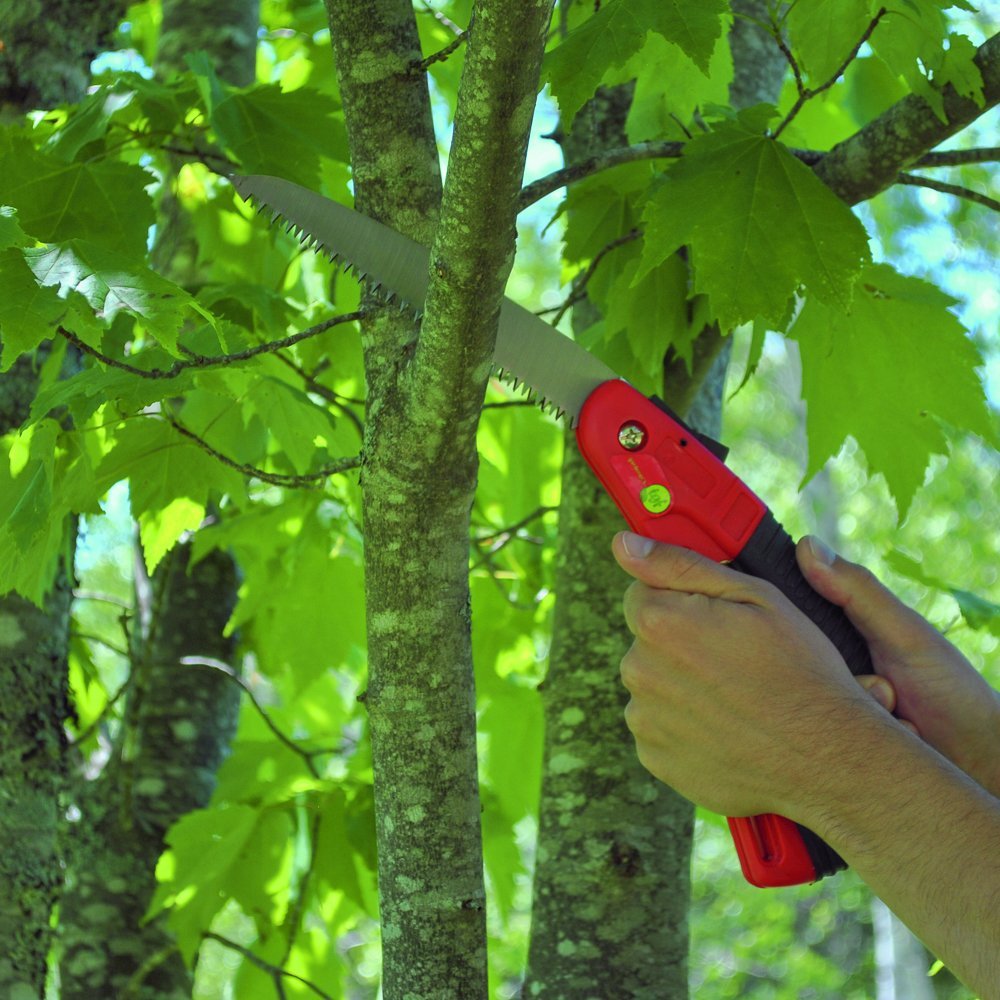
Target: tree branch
[308, 479]
[959, 157]
[953, 189]
[227, 670]
[870, 160]
[537, 190]
[579, 289]
[424, 64]
[210, 361]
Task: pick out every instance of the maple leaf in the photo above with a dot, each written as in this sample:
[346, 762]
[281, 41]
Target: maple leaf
[883, 371]
[616, 32]
[759, 224]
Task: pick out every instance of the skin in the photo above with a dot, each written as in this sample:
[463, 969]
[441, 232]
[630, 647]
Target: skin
[740, 703]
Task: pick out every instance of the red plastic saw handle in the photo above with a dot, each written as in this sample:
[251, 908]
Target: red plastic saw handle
[671, 487]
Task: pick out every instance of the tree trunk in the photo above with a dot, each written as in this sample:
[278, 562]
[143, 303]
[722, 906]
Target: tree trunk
[609, 914]
[418, 482]
[179, 721]
[33, 707]
[612, 883]
[45, 62]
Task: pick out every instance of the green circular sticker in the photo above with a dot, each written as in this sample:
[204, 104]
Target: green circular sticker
[655, 498]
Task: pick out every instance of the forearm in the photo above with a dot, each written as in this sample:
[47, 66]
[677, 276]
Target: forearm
[926, 839]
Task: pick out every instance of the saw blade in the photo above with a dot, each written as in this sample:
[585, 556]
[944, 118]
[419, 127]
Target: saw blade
[529, 352]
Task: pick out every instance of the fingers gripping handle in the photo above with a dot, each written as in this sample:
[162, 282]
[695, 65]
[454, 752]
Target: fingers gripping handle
[670, 487]
[770, 555]
[774, 850]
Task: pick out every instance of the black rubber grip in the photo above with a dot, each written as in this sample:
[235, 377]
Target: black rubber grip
[770, 555]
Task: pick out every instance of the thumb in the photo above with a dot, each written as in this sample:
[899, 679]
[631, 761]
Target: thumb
[671, 567]
[872, 608]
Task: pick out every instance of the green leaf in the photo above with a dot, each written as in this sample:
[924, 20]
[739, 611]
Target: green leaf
[160, 530]
[758, 222]
[297, 423]
[823, 33]
[651, 311]
[270, 131]
[113, 283]
[96, 385]
[162, 466]
[28, 313]
[882, 371]
[616, 32]
[978, 612]
[102, 201]
[11, 233]
[958, 68]
[669, 87]
[205, 846]
[89, 121]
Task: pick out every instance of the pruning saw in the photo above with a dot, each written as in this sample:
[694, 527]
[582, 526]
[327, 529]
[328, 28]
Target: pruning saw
[669, 481]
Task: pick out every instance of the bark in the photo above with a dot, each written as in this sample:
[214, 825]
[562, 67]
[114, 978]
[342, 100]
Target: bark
[870, 160]
[179, 722]
[47, 49]
[612, 883]
[420, 463]
[33, 708]
[609, 914]
[45, 62]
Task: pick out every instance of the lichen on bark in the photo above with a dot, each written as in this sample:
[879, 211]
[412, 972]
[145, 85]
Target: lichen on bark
[418, 479]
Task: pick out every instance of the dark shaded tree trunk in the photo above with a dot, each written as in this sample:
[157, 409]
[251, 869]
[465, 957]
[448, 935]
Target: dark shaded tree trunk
[45, 62]
[179, 721]
[33, 708]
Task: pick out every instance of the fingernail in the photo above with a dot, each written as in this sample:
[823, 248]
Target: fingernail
[637, 546]
[881, 692]
[821, 552]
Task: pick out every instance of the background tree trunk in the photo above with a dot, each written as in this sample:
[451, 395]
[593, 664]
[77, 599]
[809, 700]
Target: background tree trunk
[179, 722]
[179, 718]
[45, 62]
[611, 892]
[612, 881]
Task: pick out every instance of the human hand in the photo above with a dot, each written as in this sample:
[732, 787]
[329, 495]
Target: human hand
[738, 700]
[936, 688]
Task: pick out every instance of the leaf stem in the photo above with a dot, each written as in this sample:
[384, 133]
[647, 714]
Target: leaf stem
[806, 93]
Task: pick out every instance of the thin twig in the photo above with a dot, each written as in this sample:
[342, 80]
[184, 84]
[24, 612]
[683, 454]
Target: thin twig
[422, 65]
[305, 480]
[273, 971]
[953, 189]
[602, 161]
[227, 670]
[806, 93]
[108, 705]
[579, 289]
[210, 361]
[511, 530]
[959, 157]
